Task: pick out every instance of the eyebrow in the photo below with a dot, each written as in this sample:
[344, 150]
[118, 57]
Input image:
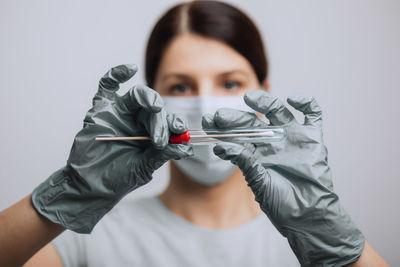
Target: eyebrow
[245, 73]
[176, 75]
[187, 77]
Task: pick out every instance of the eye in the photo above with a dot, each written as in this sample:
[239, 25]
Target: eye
[179, 89]
[231, 85]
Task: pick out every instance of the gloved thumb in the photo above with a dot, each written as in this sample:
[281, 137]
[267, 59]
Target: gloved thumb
[257, 177]
[154, 158]
[243, 157]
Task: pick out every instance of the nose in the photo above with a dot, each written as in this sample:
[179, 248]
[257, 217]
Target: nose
[205, 88]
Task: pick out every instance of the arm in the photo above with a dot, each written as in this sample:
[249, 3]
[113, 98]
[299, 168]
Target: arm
[369, 257]
[97, 174]
[292, 181]
[47, 256]
[23, 232]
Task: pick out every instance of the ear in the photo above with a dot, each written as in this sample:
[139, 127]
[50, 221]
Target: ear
[265, 85]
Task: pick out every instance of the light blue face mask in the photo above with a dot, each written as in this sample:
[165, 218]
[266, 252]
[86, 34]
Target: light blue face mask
[204, 167]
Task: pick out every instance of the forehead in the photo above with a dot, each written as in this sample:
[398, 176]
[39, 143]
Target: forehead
[189, 53]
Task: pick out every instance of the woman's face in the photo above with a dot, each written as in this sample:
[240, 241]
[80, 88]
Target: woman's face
[193, 65]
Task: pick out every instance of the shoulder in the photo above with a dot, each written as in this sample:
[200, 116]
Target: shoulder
[128, 214]
[125, 226]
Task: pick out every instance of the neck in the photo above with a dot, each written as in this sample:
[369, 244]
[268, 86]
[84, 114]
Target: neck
[226, 205]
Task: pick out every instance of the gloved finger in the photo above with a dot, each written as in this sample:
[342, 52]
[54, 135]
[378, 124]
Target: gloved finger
[310, 108]
[158, 128]
[243, 157]
[207, 121]
[141, 97]
[227, 118]
[147, 104]
[274, 109]
[155, 158]
[109, 83]
[176, 123]
[155, 125]
[178, 151]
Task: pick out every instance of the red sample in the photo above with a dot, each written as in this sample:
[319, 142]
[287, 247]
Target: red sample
[182, 138]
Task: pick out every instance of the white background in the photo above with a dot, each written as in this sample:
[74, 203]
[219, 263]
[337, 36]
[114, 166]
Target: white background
[344, 52]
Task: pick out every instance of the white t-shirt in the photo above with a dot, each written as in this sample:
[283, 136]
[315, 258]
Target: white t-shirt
[146, 233]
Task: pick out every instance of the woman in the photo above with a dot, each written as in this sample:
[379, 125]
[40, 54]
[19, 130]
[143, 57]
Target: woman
[201, 56]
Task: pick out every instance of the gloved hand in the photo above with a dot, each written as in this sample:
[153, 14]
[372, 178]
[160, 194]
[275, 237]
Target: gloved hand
[99, 173]
[291, 179]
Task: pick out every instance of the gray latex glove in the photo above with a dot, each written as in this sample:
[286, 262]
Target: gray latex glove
[99, 173]
[291, 179]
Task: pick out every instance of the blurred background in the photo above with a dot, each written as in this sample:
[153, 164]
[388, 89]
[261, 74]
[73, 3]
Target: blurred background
[345, 53]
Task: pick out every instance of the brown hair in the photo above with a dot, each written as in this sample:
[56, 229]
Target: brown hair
[212, 19]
